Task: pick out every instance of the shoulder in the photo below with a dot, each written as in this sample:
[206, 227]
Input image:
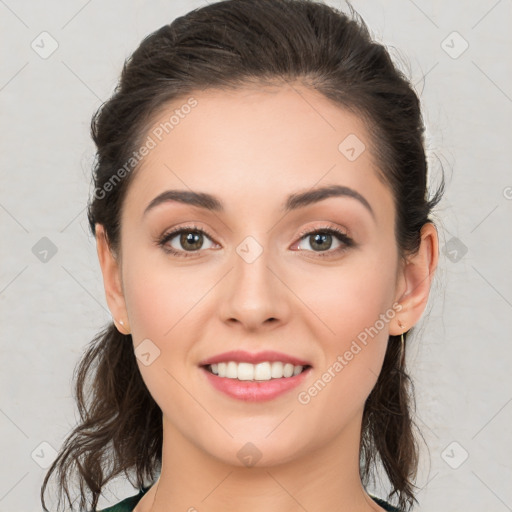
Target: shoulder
[385, 505]
[127, 505]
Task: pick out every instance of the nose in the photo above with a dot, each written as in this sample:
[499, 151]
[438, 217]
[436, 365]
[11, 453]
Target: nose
[254, 295]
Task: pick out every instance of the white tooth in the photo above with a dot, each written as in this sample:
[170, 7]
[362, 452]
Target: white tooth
[245, 371]
[221, 369]
[288, 370]
[231, 371]
[277, 370]
[262, 371]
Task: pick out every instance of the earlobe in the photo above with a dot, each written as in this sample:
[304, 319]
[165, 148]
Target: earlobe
[417, 275]
[112, 282]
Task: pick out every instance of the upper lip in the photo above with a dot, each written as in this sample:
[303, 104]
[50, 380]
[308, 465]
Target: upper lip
[241, 356]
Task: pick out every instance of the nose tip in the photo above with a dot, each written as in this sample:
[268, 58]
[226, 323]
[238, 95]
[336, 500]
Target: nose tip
[252, 294]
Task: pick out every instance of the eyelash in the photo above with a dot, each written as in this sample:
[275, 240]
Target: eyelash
[340, 235]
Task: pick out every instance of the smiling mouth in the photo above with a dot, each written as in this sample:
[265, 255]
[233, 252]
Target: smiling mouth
[263, 371]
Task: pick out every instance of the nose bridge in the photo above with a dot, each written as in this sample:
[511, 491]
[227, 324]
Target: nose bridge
[253, 293]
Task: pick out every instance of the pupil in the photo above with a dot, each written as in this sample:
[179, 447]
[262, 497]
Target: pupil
[322, 238]
[193, 238]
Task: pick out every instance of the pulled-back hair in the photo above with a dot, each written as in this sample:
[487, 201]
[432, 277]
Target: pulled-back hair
[228, 45]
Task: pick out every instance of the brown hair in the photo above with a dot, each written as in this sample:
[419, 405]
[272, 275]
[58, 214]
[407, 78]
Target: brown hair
[225, 45]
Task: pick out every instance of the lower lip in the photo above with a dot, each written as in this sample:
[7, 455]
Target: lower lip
[255, 391]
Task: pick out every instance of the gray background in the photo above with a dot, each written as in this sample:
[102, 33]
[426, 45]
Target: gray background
[53, 304]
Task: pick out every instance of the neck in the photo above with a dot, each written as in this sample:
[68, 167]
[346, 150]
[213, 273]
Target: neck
[326, 478]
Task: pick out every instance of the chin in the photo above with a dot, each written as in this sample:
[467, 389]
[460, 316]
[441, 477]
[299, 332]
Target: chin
[256, 451]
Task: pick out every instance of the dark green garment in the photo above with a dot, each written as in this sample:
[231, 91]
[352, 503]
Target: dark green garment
[128, 504]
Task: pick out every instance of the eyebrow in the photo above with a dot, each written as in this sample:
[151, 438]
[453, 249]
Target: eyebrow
[293, 202]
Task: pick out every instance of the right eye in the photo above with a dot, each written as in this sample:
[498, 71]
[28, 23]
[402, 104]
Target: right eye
[191, 240]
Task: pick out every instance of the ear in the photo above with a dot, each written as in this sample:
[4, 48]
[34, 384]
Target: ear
[415, 280]
[112, 282]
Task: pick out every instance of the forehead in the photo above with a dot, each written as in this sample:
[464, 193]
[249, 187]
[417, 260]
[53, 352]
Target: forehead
[254, 146]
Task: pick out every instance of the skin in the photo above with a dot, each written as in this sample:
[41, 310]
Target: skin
[252, 148]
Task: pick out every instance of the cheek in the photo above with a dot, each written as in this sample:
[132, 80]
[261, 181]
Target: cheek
[160, 304]
[353, 310]
[350, 299]
[159, 297]
[163, 305]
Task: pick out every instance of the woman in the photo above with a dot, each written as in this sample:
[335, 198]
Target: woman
[262, 225]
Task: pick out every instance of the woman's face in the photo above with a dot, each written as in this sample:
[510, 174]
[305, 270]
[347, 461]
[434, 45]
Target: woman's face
[254, 282]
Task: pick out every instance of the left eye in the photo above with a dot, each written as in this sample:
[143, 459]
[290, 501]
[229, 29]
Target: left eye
[321, 240]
